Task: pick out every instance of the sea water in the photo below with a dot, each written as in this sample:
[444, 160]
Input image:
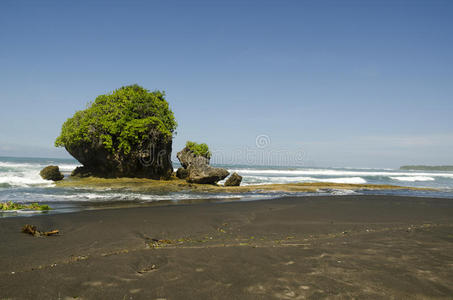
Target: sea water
[20, 182]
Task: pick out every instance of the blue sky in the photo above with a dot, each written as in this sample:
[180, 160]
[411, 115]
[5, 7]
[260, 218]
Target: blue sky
[328, 83]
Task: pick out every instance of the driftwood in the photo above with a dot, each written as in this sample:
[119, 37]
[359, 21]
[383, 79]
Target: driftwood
[31, 229]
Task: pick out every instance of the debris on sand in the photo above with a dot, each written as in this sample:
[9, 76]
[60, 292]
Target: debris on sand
[147, 269]
[31, 229]
[156, 243]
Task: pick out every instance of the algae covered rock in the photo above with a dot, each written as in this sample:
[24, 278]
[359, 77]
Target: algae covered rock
[195, 158]
[234, 180]
[127, 133]
[51, 173]
[182, 173]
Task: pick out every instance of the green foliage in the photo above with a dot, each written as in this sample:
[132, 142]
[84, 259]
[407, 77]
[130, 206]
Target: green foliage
[16, 206]
[199, 149]
[120, 120]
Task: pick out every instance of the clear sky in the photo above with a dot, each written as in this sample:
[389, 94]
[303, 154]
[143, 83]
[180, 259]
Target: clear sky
[327, 83]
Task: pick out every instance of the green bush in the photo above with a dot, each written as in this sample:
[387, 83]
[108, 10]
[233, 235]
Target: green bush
[120, 120]
[199, 149]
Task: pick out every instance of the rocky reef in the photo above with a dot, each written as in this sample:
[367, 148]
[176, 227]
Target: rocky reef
[127, 133]
[194, 159]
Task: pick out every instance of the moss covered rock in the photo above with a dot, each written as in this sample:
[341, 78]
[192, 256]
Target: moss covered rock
[51, 173]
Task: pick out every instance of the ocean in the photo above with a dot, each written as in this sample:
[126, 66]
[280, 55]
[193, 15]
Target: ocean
[20, 182]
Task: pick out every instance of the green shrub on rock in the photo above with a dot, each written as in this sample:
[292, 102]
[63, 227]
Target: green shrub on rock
[199, 149]
[127, 133]
[119, 120]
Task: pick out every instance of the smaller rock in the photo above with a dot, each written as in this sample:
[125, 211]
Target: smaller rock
[182, 173]
[51, 173]
[205, 174]
[234, 180]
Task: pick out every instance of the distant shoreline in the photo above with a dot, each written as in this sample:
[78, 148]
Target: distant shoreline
[427, 168]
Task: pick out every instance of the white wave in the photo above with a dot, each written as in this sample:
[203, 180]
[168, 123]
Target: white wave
[249, 180]
[31, 211]
[343, 192]
[352, 180]
[24, 180]
[331, 172]
[363, 168]
[413, 178]
[278, 179]
[26, 174]
[68, 167]
[124, 196]
[19, 165]
[36, 166]
[24, 211]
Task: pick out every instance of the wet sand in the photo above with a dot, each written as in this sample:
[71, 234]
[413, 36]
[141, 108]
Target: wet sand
[340, 247]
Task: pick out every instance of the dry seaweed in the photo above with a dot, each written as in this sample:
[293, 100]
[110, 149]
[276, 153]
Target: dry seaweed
[33, 230]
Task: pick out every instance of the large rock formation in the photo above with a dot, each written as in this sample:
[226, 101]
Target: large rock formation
[234, 180]
[51, 173]
[150, 159]
[127, 133]
[199, 170]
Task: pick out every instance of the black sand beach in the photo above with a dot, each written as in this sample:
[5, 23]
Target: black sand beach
[340, 247]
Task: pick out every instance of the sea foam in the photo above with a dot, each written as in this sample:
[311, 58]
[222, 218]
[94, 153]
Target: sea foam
[413, 178]
[333, 172]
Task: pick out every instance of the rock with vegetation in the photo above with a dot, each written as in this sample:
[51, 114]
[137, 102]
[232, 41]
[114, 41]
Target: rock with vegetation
[51, 173]
[192, 153]
[234, 180]
[195, 159]
[127, 133]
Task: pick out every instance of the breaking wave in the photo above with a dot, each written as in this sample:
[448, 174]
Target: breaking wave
[413, 178]
[251, 180]
[26, 174]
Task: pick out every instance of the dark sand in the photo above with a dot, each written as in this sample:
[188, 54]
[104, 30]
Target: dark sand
[337, 247]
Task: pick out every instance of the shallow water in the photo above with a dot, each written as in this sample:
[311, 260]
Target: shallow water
[20, 182]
